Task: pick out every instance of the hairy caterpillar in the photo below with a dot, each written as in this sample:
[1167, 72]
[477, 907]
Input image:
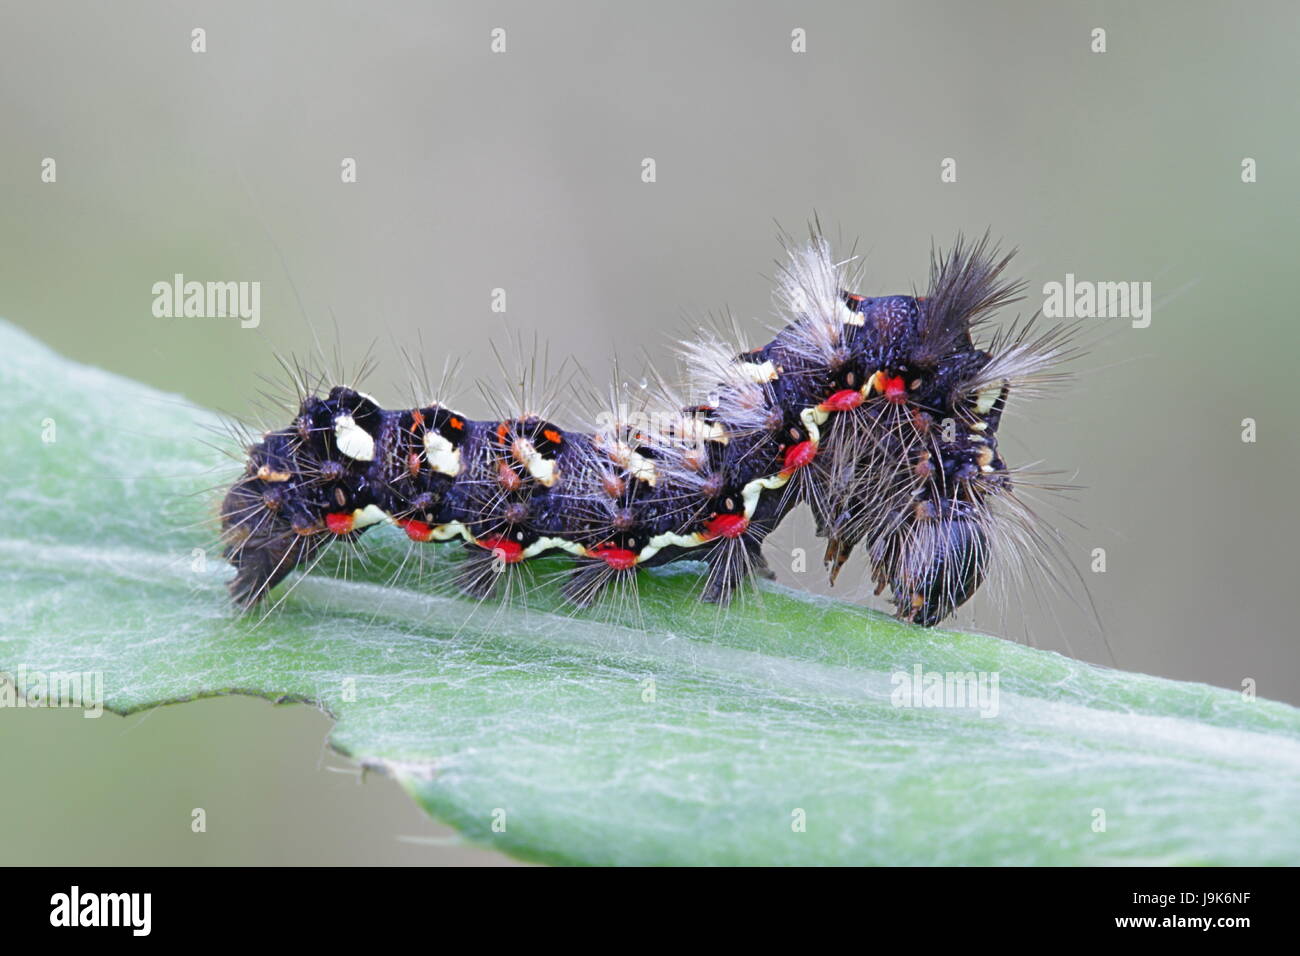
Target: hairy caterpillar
[880, 413]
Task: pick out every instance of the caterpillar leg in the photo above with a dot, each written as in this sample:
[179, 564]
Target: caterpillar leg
[840, 541]
[837, 552]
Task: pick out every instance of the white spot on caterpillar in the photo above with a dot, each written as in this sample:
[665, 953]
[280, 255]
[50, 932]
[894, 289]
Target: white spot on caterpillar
[635, 464]
[538, 465]
[544, 470]
[442, 455]
[757, 372]
[849, 316]
[695, 429]
[985, 398]
[353, 440]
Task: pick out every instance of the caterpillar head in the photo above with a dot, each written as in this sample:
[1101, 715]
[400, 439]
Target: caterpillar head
[933, 565]
[909, 462]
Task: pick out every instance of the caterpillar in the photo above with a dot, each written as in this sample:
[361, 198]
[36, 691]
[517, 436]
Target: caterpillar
[880, 413]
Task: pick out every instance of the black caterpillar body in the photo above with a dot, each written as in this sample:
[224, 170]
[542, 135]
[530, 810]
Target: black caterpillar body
[880, 413]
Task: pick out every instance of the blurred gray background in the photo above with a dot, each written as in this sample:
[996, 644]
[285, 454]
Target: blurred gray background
[522, 170]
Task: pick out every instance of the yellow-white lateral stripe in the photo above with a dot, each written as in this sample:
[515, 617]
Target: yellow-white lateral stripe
[445, 532]
[756, 487]
[813, 418]
[370, 514]
[373, 514]
[667, 539]
[545, 544]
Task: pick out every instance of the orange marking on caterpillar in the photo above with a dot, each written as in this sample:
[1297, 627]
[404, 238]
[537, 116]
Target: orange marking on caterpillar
[620, 559]
[726, 526]
[417, 419]
[895, 389]
[506, 549]
[416, 530]
[842, 401]
[340, 522]
[797, 456]
[553, 436]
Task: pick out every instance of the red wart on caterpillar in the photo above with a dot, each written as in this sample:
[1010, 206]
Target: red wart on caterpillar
[880, 412]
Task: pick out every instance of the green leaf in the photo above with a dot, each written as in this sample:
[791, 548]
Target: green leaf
[661, 734]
